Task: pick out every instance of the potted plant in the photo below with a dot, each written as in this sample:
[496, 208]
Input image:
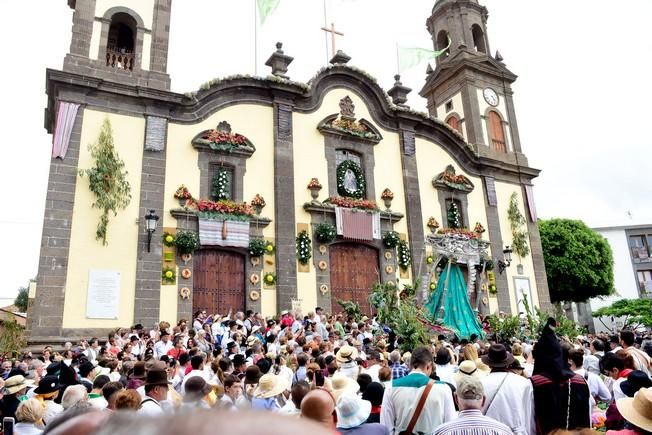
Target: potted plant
[391, 239]
[183, 195]
[432, 224]
[258, 203]
[257, 247]
[168, 276]
[314, 186]
[269, 279]
[168, 239]
[479, 229]
[387, 196]
[325, 233]
[187, 242]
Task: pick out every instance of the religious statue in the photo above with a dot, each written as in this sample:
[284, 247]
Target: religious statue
[350, 181]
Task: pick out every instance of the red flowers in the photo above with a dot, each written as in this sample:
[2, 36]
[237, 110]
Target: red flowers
[352, 203]
[222, 137]
[225, 207]
[460, 232]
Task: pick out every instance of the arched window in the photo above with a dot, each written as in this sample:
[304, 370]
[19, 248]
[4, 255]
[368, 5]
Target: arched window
[442, 42]
[455, 123]
[478, 39]
[496, 132]
[121, 43]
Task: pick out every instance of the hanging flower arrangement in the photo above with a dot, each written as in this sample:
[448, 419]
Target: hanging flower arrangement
[304, 247]
[404, 257]
[269, 248]
[182, 193]
[391, 239]
[256, 247]
[350, 180]
[345, 202]
[187, 242]
[387, 194]
[168, 276]
[325, 233]
[168, 239]
[221, 186]
[269, 278]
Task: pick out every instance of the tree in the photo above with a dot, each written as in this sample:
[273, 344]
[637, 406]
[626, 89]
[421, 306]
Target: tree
[21, 300]
[637, 312]
[12, 339]
[579, 261]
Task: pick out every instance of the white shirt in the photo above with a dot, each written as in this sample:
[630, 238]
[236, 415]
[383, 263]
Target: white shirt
[51, 410]
[150, 408]
[373, 372]
[445, 373]
[161, 349]
[192, 373]
[27, 429]
[512, 404]
[596, 385]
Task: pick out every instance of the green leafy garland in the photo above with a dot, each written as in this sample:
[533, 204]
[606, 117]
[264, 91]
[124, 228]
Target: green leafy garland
[107, 180]
[221, 185]
[269, 248]
[186, 241]
[269, 278]
[516, 222]
[256, 247]
[168, 275]
[304, 247]
[359, 175]
[168, 239]
[391, 239]
[454, 220]
[325, 233]
[404, 256]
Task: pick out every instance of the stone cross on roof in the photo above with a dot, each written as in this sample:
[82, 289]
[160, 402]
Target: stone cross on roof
[333, 32]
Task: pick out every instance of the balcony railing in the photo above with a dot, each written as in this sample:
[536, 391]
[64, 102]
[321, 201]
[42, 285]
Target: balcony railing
[498, 146]
[120, 59]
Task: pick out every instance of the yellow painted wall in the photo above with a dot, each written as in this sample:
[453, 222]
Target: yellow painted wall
[169, 299]
[144, 8]
[309, 147]
[86, 253]
[503, 194]
[503, 113]
[256, 123]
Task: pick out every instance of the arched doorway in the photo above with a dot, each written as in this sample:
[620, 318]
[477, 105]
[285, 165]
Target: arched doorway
[218, 281]
[354, 271]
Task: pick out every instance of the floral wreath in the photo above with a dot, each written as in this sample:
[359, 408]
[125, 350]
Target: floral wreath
[168, 276]
[304, 247]
[269, 278]
[359, 175]
[221, 184]
[184, 293]
[404, 257]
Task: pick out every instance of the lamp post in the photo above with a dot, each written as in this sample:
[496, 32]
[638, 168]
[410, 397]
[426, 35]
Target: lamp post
[506, 261]
[151, 220]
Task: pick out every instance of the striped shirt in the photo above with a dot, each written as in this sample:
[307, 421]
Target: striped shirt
[472, 422]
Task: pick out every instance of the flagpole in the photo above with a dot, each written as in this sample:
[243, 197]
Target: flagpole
[255, 39]
[326, 34]
[398, 60]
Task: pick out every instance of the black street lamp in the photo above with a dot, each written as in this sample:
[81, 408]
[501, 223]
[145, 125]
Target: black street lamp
[507, 260]
[150, 225]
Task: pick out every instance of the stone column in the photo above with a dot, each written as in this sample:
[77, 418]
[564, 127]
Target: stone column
[285, 225]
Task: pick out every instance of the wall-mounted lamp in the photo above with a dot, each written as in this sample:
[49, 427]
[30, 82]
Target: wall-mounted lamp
[506, 261]
[151, 220]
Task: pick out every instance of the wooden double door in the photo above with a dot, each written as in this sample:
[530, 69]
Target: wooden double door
[354, 271]
[219, 281]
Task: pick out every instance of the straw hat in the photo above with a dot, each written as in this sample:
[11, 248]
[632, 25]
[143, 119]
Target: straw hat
[637, 411]
[346, 354]
[352, 411]
[271, 385]
[343, 384]
[466, 368]
[16, 383]
[251, 340]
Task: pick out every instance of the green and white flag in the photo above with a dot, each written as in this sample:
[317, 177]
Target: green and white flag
[266, 8]
[411, 57]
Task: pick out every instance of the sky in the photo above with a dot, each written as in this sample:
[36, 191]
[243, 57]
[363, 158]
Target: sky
[582, 97]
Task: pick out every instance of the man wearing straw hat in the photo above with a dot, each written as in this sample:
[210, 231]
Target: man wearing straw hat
[270, 386]
[15, 387]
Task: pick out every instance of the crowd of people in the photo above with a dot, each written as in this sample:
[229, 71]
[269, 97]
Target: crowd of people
[330, 374]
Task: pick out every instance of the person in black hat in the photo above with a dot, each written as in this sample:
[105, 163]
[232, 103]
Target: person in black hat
[636, 380]
[561, 397]
[87, 374]
[156, 390]
[47, 392]
[509, 396]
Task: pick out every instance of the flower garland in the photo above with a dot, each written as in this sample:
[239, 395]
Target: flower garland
[342, 169]
[403, 255]
[107, 180]
[269, 248]
[256, 247]
[304, 247]
[269, 278]
[460, 232]
[182, 193]
[168, 239]
[325, 233]
[186, 241]
[224, 209]
[364, 204]
[391, 239]
[517, 223]
[221, 185]
[168, 275]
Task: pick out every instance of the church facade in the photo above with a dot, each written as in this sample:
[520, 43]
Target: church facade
[343, 183]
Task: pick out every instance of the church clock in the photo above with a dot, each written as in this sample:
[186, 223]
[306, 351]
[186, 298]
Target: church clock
[490, 97]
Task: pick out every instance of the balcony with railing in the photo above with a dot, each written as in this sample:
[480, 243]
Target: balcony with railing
[498, 146]
[119, 58]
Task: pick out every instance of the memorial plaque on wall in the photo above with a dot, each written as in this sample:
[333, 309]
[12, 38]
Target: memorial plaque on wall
[103, 296]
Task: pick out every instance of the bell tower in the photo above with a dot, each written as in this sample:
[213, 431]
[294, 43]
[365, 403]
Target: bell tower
[470, 89]
[123, 41]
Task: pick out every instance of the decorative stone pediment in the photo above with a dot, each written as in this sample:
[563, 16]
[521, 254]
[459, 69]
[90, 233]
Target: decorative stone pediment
[346, 124]
[223, 140]
[449, 180]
